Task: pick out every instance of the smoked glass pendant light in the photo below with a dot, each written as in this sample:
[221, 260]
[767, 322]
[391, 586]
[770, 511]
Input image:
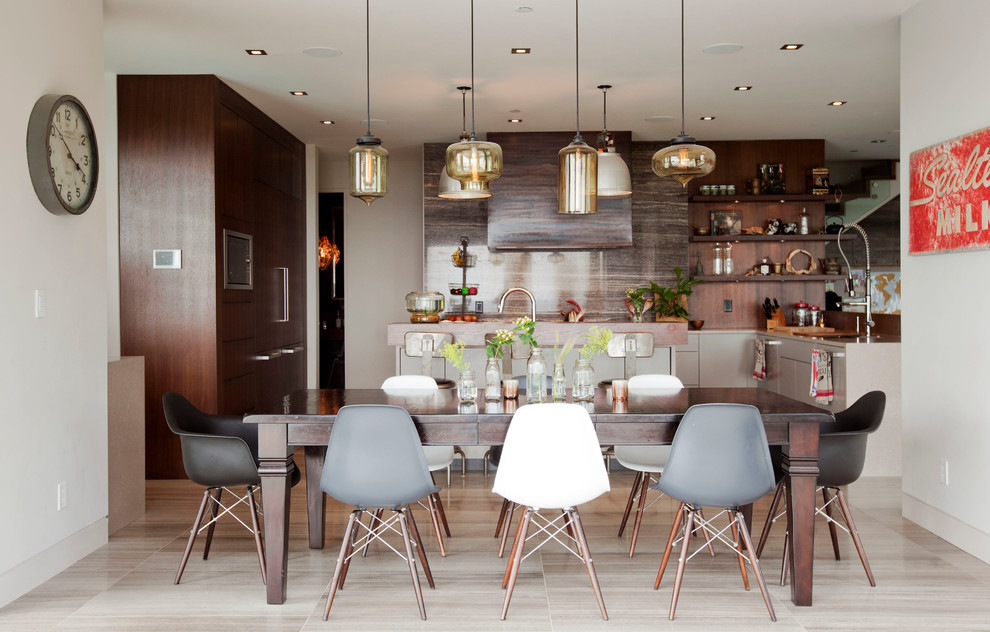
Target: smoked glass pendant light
[451, 189]
[472, 162]
[684, 159]
[613, 173]
[368, 160]
[577, 164]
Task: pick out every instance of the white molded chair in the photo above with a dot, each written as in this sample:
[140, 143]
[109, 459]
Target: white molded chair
[551, 459]
[437, 457]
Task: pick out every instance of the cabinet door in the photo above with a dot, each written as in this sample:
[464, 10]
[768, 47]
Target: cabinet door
[726, 360]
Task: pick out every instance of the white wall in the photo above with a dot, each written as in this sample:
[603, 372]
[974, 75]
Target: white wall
[383, 244]
[53, 375]
[945, 349]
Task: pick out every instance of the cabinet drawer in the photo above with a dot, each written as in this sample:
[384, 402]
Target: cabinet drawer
[238, 358]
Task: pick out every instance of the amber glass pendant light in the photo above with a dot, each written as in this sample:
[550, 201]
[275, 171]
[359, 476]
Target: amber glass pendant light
[684, 159]
[451, 189]
[577, 164]
[472, 162]
[368, 160]
[613, 173]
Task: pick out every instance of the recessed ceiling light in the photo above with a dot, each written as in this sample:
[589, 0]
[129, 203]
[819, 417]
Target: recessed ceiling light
[515, 120]
[837, 103]
[707, 118]
[255, 51]
[520, 51]
[326, 122]
[879, 140]
[791, 46]
[743, 88]
[323, 51]
[722, 49]
[659, 118]
[298, 93]
[524, 9]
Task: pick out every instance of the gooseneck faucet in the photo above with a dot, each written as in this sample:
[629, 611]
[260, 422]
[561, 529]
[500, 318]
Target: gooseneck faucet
[850, 289]
[532, 299]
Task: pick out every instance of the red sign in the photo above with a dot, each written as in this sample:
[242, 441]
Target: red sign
[950, 195]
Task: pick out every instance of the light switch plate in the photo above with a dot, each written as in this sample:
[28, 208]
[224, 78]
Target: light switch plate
[167, 259]
[40, 304]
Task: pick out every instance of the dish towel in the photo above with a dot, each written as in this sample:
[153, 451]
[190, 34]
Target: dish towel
[821, 376]
[760, 368]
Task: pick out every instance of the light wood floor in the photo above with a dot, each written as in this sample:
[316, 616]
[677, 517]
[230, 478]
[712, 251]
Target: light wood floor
[923, 583]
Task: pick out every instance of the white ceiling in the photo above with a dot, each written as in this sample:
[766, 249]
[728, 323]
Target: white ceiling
[420, 52]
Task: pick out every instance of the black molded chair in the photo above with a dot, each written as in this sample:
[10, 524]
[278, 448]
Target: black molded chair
[218, 452]
[719, 458]
[375, 461]
[841, 457]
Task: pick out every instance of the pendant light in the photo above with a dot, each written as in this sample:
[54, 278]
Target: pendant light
[684, 159]
[613, 173]
[368, 159]
[577, 164]
[472, 162]
[451, 189]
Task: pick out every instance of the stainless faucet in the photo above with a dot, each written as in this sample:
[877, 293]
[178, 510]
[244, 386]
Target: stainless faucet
[866, 301]
[532, 299]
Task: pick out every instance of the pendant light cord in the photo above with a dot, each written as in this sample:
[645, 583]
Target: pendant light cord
[473, 137]
[464, 111]
[682, 67]
[577, 73]
[367, 44]
[605, 110]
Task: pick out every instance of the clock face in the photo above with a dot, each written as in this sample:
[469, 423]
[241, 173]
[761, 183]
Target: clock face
[62, 156]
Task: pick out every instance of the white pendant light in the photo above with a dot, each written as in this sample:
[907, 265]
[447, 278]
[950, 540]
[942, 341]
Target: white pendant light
[474, 162]
[613, 173]
[368, 160]
[577, 164]
[451, 189]
[684, 159]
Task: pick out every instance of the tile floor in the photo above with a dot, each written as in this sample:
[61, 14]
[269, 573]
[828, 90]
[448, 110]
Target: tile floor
[923, 583]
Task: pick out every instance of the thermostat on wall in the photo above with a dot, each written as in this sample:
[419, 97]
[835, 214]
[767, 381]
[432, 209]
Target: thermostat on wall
[168, 259]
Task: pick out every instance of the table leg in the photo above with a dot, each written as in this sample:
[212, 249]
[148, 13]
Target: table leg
[316, 500]
[800, 464]
[275, 469]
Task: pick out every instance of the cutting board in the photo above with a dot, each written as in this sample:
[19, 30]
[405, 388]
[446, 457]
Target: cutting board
[804, 330]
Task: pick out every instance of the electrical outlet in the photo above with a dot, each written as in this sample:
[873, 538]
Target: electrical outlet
[943, 472]
[40, 304]
[62, 496]
[727, 305]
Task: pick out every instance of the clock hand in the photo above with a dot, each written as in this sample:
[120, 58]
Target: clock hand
[69, 151]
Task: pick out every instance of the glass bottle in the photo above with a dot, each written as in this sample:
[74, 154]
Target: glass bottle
[727, 265]
[717, 259]
[559, 388]
[583, 381]
[536, 377]
[493, 381]
[803, 227]
[467, 387]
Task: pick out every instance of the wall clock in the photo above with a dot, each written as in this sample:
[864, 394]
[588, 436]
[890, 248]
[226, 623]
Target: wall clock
[62, 156]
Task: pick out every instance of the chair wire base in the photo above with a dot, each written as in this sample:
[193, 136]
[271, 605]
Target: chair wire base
[215, 505]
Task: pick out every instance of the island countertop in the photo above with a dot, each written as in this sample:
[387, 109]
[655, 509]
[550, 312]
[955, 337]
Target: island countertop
[665, 334]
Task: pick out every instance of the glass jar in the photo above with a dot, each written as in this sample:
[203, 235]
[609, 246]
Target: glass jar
[558, 390]
[727, 265]
[803, 226]
[536, 377]
[467, 387]
[717, 259]
[583, 381]
[493, 381]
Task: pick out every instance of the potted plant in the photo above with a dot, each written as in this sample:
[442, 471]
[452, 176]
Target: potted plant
[638, 302]
[670, 303]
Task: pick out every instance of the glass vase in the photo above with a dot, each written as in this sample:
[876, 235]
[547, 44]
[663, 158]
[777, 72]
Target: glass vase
[583, 381]
[637, 314]
[493, 381]
[467, 387]
[558, 390]
[536, 376]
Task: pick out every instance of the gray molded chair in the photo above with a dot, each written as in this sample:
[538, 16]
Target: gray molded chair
[719, 458]
[218, 452]
[375, 461]
[841, 457]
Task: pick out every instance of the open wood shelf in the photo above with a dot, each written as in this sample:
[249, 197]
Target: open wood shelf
[770, 278]
[803, 197]
[781, 238]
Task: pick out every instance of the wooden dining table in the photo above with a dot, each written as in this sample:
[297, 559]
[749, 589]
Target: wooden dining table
[305, 418]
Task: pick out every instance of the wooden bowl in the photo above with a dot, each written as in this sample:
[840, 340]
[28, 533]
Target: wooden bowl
[696, 324]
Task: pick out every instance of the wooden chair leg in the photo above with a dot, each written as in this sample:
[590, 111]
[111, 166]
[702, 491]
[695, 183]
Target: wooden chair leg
[785, 560]
[744, 529]
[192, 536]
[435, 519]
[826, 498]
[681, 562]
[778, 494]
[341, 557]
[847, 516]
[517, 542]
[442, 514]
[350, 545]
[632, 495]
[403, 513]
[739, 554]
[645, 486]
[670, 543]
[505, 534]
[256, 528]
[501, 516]
[575, 519]
[516, 560]
[418, 539]
[214, 509]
